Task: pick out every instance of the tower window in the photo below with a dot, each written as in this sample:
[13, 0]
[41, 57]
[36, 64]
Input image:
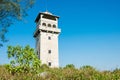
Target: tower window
[37, 52]
[49, 51]
[54, 26]
[49, 63]
[49, 25]
[44, 24]
[49, 38]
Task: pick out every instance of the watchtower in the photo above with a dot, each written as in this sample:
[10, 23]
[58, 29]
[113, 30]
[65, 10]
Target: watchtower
[46, 35]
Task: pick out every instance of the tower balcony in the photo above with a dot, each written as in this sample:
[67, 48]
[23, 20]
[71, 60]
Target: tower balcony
[46, 29]
[50, 29]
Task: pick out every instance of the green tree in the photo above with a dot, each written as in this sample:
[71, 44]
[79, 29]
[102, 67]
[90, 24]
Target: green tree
[70, 66]
[23, 59]
[11, 10]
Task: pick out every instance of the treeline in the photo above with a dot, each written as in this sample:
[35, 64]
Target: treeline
[25, 65]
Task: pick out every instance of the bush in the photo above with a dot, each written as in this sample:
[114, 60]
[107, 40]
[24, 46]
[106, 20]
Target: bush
[84, 73]
[24, 60]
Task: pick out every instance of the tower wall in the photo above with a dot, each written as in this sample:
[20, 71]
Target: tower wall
[47, 45]
[46, 35]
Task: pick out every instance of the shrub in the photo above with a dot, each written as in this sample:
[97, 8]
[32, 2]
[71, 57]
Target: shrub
[24, 60]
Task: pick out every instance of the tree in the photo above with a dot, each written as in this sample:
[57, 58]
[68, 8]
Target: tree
[70, 66]
[23, 59]
[11, 10]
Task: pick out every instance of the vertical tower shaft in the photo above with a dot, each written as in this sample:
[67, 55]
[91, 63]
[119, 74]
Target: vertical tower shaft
[46, 35]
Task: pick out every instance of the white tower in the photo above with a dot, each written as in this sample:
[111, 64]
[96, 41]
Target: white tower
[46, 36]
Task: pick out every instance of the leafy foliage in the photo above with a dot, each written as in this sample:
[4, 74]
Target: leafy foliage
[11, 10]
[22, 60]
[70, 66]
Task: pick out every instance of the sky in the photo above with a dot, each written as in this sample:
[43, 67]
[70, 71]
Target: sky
[90, 32]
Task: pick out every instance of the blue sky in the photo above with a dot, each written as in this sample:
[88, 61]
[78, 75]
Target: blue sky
[90, 32]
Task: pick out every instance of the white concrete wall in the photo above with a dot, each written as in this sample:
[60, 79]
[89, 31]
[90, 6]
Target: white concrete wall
[44, 44]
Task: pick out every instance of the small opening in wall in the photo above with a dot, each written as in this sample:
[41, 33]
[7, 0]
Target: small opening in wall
[49, 25]
[49, 51]
[44, 24]
[37, 52]
[49, 63]
[49, 38]
[54, 26]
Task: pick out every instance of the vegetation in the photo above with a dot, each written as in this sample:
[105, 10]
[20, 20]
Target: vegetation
[11, 10]
[25, 65]
[23, 60]
[84, 73]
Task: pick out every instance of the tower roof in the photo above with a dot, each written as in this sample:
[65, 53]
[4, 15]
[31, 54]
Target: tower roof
[47, 14]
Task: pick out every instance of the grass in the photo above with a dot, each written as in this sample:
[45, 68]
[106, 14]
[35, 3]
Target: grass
[66, 73]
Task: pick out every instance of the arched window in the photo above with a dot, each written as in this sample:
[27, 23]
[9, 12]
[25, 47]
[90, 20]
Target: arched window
[54, 26]
[44, 24]
[49, 25]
